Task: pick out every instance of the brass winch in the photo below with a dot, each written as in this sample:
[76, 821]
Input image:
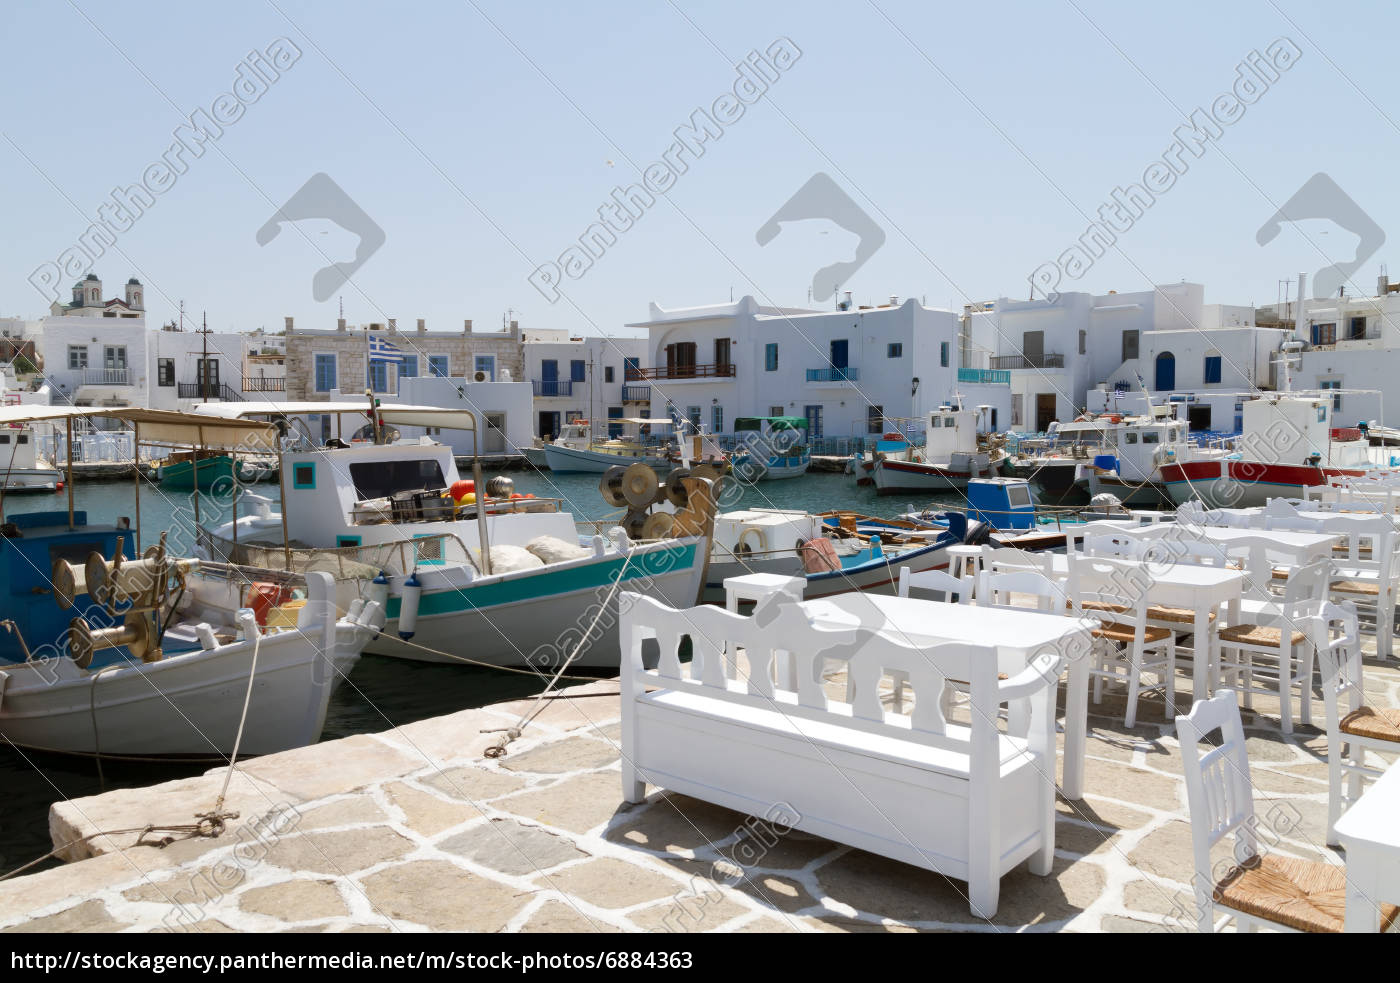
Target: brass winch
[137, 589]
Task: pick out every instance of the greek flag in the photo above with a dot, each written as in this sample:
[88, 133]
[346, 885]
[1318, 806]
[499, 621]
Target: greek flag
[381, 351]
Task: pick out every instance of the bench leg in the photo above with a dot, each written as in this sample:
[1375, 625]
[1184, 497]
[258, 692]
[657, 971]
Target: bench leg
[634, 789]
[983, 893]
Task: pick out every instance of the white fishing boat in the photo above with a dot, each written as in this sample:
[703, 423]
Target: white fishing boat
[502, 580]
[951, 457]
[576, 450]
[21, 468]
[770, 448]
[162, 653]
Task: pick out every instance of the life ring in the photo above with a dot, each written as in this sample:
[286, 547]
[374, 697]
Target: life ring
[1115, 418]
[741, 548]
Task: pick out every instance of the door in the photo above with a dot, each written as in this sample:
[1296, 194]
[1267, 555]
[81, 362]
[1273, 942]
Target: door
[721, 356]
[1033, 347]
[1044, 411]
[495, 442]
[549, 386]
[840, 358]
[207, 373]
[549, 424]
[1166, 372]
[1198, 417]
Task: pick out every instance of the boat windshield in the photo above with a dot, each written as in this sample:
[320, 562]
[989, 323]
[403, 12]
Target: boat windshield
[381, 479]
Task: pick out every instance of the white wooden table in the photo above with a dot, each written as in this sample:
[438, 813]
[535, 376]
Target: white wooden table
[1306, 546]
[1180, 585]
[1371, 835]
[1019, 636]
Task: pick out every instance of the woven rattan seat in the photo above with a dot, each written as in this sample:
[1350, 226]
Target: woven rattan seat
[1125, 633]
[1103, 606]
[1263, 635]
[1307, 895]
[1381, 725]
[1364, 587]
[1183, 616]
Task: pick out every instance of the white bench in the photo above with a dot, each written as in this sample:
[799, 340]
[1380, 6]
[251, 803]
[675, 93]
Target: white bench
[966, 801]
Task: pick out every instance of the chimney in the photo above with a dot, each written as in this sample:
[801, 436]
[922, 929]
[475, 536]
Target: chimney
[467, 326]
[340, 324]
[393, 324]
[422, 325]
[288, 324]
[1382, 285]
[515, 327]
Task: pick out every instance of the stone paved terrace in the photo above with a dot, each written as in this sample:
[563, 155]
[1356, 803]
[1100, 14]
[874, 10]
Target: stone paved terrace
[413, 830]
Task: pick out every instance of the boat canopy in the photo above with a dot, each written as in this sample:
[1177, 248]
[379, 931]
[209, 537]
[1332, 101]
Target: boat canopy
[774, 422]
[159, 426]
[664, 421]
[401, 414]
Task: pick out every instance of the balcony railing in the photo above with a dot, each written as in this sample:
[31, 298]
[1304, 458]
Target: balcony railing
[1045, 361]
[207, 390]
[713, 370]
[264, 385]
[998, 377]
[106, 377]
[834, 373]
[554, 387]
[636, 394]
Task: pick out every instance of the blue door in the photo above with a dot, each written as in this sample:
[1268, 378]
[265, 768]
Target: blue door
[1166, 372]
[840, 353]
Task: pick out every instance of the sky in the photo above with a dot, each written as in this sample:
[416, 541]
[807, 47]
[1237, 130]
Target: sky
[469, 145]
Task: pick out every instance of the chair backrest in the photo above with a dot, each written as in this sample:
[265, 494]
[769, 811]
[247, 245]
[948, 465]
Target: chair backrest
[1107, 544]
[1219, 796]
[1335, 633]
[995, 589]
[1010, 558]
[1113, 591]
[935, 581]
[1307, 590]
[1184, 546]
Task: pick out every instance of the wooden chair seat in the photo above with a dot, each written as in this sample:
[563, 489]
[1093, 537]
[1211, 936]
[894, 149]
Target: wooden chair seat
[1365, 588]
[1306, 895]
[1344, 551]
[1380, 725]
[1125, 633]
[1265, 636]
[1103, 606]
[1184, 616]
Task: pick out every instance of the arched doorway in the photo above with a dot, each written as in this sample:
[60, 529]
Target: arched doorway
[1166, 372]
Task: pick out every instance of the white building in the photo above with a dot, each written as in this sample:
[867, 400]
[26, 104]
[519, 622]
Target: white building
[574, 378]
[851, 373]
[87, 301]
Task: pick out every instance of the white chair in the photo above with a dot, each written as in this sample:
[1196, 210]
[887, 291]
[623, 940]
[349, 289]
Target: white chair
[1262, 889]
[1283, 642]
[935, 582]
[1124, 640]
[1366, 576]
[995, 589]
[1352, 727]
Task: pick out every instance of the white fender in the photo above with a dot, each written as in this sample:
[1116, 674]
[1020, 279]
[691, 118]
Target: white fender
[409, 598]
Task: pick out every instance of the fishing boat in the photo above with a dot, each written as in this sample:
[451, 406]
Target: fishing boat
[770, 447]
[383, 514]
[21, 468]
[576, 450]
[892, 446]
[1009, 513]
[119, 652]
[1143, 444]
[835, 552]
[211, 469]
[951, 457]
[1288, 444]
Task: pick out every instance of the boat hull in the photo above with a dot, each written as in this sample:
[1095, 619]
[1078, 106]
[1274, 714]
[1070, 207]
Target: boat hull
[892, 477]
[180, 476]
[30, 480]
[1244, 483]
[877, 577]
[1054, 480]
[1141, 494]
[186, 705]
[538, 617]
[566, 460]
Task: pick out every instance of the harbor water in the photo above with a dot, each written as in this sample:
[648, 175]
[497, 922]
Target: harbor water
[381, 693]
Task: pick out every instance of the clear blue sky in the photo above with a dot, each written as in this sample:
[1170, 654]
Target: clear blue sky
[482, 137]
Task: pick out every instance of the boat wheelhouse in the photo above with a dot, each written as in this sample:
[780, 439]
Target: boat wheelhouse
[771, 447]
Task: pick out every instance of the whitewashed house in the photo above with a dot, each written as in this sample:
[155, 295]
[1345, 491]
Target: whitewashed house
[575, 377]
[851, 372]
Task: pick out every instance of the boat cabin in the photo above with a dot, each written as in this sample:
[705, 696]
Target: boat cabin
[780, 436]
[1002, 503]
[1299, 430]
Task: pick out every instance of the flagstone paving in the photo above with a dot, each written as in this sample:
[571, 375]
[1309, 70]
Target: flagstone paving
[414, 829]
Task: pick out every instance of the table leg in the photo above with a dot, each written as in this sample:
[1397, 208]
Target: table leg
[1201, 656]
[1076, 726]
[1363, 910]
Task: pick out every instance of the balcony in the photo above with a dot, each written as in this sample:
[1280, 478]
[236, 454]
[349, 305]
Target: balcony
[264, 385]
[207, 390]
[713, 370]
[106, 377]
[834, 374]
[636, 394]
[995, 377]
[554, 387]
[1044, 361]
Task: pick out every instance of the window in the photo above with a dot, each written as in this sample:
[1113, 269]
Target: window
[943, 354]
[1083, 337]
[994, 419]
[1016, 401]
[692, 413]
[874, 419]
[607, 373]
[487, 364]
[770, 357]
[408, 368]
[440, 366]
[206, 371]
[1151, 437]
[722, 351]
[614, 428]
[325, 373]
[1358, 328]
[716, 419]
[165, 372]
[1130, 345]
[77, 356]
[380, 479]
[1212, 374]
[573, 416]
[894, 350]
[775, 411]
[1333, 384]
[379, 376]
[304, 476]
[631, 368]
[1130, 437]
[1324, 334]
[578, 370]
[814, 420]
[114, 356]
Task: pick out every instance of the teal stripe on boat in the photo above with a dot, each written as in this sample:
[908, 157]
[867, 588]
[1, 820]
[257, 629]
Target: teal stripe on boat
[592, 576]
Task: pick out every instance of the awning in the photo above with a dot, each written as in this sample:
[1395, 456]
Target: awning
[160, 426]
[664, 421]
[774, 422]
[401, 414]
